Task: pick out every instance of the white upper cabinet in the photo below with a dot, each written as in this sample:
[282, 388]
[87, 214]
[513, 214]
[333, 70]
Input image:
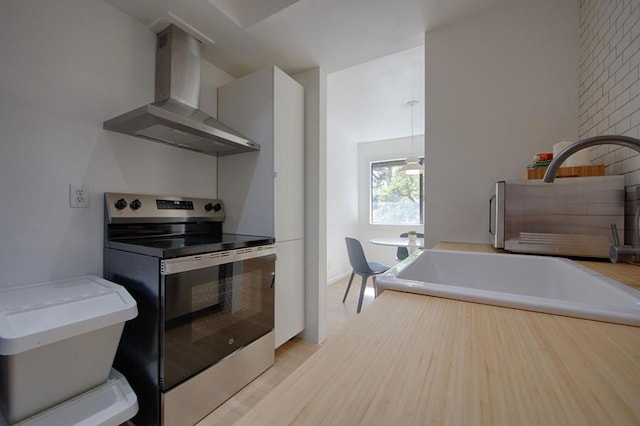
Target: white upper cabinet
[289, 157]
[263, 192]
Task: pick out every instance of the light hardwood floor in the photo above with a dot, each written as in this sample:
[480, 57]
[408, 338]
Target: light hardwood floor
[292, 354]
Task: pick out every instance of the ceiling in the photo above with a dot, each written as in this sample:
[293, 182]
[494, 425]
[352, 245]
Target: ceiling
[368, 102]
[242, 36]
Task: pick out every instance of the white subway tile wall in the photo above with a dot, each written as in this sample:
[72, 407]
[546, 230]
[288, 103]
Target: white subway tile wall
[610, 89]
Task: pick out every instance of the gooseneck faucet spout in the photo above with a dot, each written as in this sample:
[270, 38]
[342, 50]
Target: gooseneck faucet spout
[627, 141]
[617, 252]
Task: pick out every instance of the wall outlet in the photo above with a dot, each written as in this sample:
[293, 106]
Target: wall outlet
[78, 196]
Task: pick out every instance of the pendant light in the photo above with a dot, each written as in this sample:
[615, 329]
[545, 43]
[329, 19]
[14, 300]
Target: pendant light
[412, 166]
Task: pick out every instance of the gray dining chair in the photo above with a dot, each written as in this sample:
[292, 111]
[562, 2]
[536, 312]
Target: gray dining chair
[362, 268]
[402, 253]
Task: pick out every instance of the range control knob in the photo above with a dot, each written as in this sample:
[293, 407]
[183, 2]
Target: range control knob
[135, 204]
[121, 204]
[208, 207]
[217, 207]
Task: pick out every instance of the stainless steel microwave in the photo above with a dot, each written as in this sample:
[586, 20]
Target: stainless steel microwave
[569, 217]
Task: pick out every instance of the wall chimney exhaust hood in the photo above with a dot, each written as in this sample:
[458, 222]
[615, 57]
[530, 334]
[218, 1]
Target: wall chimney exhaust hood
[174, 117]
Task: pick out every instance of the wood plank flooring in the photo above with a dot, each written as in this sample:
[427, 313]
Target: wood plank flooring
[292, 354]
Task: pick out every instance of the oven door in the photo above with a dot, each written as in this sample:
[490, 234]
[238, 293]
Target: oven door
[213, 305]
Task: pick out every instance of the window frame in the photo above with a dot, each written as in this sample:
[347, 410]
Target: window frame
[421, 186]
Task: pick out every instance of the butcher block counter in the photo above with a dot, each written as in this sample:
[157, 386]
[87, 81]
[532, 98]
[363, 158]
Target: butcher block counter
[410, 359]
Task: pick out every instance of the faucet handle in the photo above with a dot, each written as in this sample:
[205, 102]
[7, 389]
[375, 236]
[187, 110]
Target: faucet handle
[614, 235]
[624, 253]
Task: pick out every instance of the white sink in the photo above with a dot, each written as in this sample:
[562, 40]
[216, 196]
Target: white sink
[536, 283]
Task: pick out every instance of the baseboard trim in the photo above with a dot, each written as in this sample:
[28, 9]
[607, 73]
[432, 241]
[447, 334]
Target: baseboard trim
[338, 278]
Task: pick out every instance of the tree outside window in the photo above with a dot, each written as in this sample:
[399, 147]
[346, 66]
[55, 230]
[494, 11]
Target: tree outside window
[396, 198]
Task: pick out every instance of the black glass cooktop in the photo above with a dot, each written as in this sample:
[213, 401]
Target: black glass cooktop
[188, 245]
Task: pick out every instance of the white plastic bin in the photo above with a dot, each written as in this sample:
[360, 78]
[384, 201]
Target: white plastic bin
[57, 340]
[109, 404]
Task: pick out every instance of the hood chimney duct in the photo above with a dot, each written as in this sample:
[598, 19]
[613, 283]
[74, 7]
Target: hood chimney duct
[178, 67]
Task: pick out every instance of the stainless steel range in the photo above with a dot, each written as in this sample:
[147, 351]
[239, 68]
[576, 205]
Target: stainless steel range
[205, 301]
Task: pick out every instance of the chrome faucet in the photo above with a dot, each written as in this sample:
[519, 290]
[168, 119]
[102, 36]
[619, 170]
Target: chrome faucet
[617, 252]
[627, 141]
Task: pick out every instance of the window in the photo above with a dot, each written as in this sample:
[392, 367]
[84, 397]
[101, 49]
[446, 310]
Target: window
[396, 198]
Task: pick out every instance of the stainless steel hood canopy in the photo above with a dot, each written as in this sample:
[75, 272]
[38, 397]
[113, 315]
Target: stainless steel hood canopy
[174, 117]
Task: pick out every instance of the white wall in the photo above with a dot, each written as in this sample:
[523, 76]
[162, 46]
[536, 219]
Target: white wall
[342, 201]
[610, 89]
[66, 67]
[391, 149]
[315, 183]
[499, 87]
[211, 78]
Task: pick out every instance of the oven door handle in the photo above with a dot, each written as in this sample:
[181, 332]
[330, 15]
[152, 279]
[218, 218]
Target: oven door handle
[190, 263]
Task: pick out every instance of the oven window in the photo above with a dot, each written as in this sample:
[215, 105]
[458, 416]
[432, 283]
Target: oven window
[212, 312]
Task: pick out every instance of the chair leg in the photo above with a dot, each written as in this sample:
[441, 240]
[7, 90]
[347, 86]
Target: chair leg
[362, 289]
[375, 287]
[348, 286]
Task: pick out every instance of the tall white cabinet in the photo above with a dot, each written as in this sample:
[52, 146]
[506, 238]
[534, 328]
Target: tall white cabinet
[263, 192]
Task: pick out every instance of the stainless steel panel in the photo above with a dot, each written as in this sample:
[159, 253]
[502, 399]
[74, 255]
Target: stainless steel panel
[178, 66]
[174, 117]
[571, 217]
[632, 217]
[173, 123]
[149, 212]
[561, 244]
[186, 404]
[190, 263]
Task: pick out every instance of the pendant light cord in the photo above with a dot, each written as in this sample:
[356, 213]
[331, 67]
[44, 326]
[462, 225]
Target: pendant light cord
[412, 103]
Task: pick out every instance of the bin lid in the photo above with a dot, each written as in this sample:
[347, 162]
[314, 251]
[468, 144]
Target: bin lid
[112, 403]
[35, 315]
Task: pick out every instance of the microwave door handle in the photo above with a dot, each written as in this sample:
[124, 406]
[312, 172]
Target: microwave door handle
[491, 200]
[637, 219]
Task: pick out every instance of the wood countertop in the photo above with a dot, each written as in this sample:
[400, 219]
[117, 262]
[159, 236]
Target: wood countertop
[414, 360]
